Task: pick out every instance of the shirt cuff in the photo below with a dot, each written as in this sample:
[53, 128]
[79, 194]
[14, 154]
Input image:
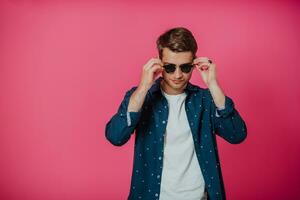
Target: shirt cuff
[132, 118]
[219, 108]
[225, 110]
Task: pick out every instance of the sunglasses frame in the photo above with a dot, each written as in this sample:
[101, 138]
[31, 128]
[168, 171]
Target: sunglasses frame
[180, 66]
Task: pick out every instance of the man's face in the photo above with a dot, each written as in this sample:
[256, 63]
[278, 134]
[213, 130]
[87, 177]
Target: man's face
[175, 82]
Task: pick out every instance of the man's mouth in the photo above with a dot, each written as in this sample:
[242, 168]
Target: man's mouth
[177, 81]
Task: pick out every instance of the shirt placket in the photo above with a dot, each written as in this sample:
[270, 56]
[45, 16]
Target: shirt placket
[163, 110]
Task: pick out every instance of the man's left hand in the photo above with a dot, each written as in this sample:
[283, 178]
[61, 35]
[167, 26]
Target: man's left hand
[207, 70]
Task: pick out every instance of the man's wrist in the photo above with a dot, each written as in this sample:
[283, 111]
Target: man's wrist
[217, 94]
[142, 88]
[212, 84]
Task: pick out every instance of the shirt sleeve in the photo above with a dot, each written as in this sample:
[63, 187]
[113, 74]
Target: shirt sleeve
[122, 124]
[132, 117]
[227, 122]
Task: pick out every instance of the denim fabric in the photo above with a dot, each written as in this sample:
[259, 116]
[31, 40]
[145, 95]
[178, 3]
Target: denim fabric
[149, 125]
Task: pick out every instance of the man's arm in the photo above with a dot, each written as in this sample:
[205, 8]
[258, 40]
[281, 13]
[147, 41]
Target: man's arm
[120, 127]
[226, 120]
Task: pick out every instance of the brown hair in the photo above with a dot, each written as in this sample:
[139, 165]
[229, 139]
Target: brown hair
[178, 39]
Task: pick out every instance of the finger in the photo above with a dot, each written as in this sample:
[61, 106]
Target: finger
[210, 67]
[154, 62]
[157, 73]
[149, 63]
[201, 60]
[156, 69]
[204, 66]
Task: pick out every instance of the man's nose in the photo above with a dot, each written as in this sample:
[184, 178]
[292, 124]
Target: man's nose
[178, 73]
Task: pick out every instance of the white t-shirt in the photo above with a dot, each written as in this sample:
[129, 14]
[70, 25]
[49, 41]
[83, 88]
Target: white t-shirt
[182, 178]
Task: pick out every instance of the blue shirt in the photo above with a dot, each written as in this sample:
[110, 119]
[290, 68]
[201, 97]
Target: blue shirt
[149, 125]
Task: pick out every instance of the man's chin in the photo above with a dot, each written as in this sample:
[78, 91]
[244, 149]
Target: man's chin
[178, 85]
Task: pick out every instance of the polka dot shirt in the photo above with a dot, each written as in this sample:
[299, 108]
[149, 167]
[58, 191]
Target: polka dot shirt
[149, 125]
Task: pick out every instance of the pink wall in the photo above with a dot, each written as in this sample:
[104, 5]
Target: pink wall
[65, 66]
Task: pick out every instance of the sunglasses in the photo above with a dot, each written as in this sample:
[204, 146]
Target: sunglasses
[185, 68]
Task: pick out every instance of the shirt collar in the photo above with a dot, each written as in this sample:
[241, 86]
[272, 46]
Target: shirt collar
[156, 86]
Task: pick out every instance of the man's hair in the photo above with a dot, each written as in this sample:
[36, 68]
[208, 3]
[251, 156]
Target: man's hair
[178, 39]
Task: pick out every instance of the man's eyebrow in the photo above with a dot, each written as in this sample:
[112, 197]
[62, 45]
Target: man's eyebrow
[174, 64]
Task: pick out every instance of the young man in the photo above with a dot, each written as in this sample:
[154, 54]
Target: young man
[175, 124]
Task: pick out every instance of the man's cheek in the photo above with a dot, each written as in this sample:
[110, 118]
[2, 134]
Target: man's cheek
[165, 74]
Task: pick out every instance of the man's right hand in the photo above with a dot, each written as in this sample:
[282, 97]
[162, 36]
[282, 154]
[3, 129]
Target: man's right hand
[150, 72]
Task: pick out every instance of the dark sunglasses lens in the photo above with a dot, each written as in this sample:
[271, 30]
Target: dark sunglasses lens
[170, 68]
[186, 68]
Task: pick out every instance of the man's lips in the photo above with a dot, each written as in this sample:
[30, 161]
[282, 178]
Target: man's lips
[176, 81]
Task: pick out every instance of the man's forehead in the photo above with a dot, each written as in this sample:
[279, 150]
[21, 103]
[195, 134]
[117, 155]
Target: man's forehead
[187, 62]
[176, 60]
[176, 57]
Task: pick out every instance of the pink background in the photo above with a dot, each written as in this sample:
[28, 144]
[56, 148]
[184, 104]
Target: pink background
[66, 65]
